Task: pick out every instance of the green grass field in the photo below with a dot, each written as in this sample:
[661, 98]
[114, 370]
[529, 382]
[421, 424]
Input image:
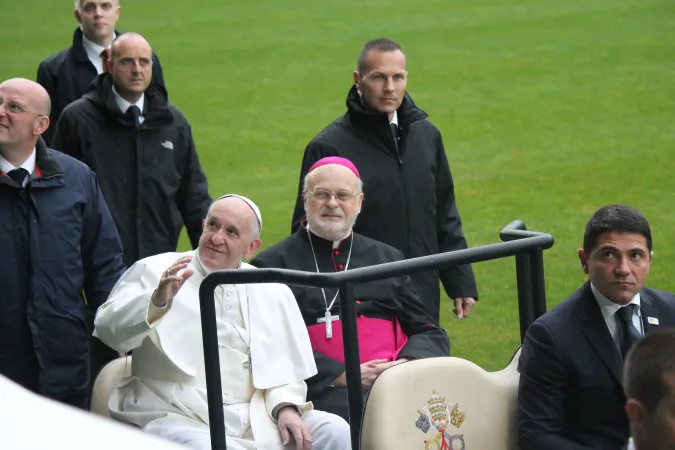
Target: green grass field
[548, 110]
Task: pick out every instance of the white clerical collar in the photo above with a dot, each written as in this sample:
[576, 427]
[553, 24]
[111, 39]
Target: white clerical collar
[337, 243]
[93, 51]
[123, 105]
[608, 307]
[28, 164]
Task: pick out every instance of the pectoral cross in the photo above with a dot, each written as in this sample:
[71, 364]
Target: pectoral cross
[329, 326]
[247, 364]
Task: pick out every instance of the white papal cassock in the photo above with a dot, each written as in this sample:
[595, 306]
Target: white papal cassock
[166, 393]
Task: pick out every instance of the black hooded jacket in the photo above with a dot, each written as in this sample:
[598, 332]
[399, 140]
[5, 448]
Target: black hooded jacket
[150, 176]
[67, 75]
[409, 193]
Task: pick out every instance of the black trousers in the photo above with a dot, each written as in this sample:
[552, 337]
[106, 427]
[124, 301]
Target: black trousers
[334, 400]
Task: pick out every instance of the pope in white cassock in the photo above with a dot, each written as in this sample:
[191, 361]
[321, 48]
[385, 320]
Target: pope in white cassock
[265, 352]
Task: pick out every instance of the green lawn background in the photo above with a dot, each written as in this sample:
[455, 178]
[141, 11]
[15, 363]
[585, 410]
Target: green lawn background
[548, 111]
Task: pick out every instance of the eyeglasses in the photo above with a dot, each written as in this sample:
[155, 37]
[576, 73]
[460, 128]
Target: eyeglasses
[324, 196]
[16, 108]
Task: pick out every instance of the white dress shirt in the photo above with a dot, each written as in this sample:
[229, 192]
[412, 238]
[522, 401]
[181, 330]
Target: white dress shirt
[94, 51]
[394, 119]
[123, 105]
[28, 164]
[609, 310]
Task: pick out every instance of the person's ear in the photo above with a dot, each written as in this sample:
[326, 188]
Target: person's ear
[583, 259]
[253, 248]
[41, 125]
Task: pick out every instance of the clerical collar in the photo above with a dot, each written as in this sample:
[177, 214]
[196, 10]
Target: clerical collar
[336, 244]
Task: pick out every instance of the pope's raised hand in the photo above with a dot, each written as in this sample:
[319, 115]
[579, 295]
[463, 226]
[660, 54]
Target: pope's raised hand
[171, 281]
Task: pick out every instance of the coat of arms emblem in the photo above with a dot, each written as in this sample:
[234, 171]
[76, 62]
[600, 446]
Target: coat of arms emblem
[437, 414]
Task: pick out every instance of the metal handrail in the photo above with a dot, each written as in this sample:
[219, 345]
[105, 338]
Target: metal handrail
[519, 243]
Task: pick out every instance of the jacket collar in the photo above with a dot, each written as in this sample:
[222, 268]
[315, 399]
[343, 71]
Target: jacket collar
[156, 106]
[78, 51]
[46, 166]
[407, 113]
[649, 310]
[595, 329]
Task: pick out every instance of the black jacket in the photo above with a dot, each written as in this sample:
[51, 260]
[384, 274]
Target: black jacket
[571, 395]
[72, 250]
[151, 177]
[409, 195]
[66, 76]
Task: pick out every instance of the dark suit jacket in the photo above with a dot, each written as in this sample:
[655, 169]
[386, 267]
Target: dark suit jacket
[67, 75]
[570, 395]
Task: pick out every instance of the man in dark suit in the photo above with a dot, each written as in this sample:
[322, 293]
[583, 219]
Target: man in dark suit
[649, 384]
[59, 245]
[570, 395]
[67, 74]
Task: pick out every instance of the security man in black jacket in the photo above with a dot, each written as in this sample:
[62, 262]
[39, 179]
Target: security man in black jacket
[409, 193]
[66, 75]
[142, 151]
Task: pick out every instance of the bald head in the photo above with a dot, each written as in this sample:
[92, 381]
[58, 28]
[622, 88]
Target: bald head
[130, 65]
[24, 116]
[34, 95]
[129, 40]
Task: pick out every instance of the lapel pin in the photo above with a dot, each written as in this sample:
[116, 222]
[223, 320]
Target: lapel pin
[653, 320]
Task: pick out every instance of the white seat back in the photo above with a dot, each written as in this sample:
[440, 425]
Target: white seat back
[440, 403]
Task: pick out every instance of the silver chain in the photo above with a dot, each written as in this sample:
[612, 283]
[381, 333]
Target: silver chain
[236, 328]
[316, 264]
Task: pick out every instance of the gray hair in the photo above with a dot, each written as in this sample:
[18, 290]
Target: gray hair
[306, 181]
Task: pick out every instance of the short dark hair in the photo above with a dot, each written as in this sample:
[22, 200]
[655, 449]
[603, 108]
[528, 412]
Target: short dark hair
[650, 359]
[381, 45]
[617, 218]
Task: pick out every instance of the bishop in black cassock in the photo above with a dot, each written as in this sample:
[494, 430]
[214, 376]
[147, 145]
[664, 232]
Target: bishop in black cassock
[393, 323]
